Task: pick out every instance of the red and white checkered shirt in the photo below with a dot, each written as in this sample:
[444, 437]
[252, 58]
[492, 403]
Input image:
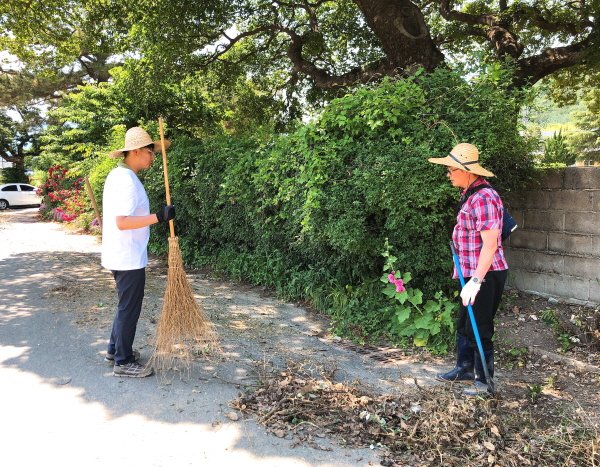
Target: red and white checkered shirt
[482, 211]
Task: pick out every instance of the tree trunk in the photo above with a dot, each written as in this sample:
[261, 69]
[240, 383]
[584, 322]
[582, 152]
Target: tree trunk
[17, 160]
[404, 36]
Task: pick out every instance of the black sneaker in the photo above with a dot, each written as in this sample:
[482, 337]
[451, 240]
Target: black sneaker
[132, 370]
[110, 358]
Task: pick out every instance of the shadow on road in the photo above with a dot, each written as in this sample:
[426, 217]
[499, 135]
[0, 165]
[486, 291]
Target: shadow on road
[56, 309]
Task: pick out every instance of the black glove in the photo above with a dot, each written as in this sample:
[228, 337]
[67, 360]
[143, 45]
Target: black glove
[166, 214]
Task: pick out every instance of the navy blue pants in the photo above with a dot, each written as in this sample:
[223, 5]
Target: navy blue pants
[484, 308]
[130, 289]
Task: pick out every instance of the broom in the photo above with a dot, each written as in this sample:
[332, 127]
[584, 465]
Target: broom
[88, 187]
[183, 330]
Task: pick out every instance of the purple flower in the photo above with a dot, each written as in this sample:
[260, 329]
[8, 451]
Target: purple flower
[400, 286]
[391, 278]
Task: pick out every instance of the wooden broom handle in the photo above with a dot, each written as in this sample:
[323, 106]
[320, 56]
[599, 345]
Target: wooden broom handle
[88, 187]
[164, 156]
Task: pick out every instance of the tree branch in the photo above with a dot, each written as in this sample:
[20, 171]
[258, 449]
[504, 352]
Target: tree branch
[243, 58]
[310, 10]
[466, 18]
[422, 6]
[505, 41]
[223, 48]
[88, 69]
[532, 69]
[321, 77]
[544, 24]
[8, 158]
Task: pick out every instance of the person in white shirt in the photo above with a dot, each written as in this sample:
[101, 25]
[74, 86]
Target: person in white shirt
[125, 233]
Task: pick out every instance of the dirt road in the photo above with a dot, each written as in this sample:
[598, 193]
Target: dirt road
[60, 403]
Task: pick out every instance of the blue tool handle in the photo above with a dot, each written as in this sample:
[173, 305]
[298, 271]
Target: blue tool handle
[472, 318]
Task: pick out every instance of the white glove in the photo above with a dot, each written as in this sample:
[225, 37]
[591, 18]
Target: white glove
[469, 291]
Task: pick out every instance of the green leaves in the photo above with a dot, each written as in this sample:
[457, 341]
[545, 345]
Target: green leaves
[401, 315]
[58, 45]
[327, 196]
[390, 289]
[557, 151]
[370, 111]
[309, 212]
[415, 297]
[430, 325]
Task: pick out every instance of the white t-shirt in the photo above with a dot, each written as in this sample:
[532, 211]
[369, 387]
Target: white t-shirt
[124, 195]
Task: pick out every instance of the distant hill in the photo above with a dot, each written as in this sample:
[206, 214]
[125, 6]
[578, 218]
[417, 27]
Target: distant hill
[549, 116]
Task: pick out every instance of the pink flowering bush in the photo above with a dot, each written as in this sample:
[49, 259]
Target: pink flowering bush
[62, 196]
[429, 323]
[399, 283]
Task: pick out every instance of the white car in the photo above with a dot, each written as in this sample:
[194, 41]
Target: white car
[18, 194]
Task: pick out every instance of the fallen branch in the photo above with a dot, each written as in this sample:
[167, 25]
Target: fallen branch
[268, 415]
[571, 327]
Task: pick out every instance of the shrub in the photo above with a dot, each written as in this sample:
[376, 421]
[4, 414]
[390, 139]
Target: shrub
[209, 221]
[329, 194]
[13, 175]
[62, 197]
[557, 151]
[429, 323]
[308, 213]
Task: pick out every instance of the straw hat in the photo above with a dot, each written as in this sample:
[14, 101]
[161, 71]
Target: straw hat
[136, 138]
[464, 156]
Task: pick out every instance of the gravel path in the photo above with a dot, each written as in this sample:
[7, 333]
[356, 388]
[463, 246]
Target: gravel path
[60, 402]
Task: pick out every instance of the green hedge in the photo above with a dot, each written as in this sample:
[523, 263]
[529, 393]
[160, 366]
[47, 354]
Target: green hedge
[208, 222]
[331, 193]
[309, 213]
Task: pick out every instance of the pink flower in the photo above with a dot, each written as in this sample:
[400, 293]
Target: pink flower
[399, 283]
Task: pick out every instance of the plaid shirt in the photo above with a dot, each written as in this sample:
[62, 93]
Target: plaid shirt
[482, 211]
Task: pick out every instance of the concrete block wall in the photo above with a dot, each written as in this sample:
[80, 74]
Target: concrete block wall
[555, 251]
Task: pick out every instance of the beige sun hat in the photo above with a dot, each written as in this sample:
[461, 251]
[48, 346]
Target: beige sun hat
[464, 156]
[136, 138]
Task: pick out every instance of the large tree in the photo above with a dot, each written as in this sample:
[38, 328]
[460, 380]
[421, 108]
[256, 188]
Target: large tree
[52, 46]
[19, 135]
[324, 45]
[342, 43]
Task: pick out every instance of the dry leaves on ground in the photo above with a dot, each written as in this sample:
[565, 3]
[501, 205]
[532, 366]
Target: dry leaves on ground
[428, 427]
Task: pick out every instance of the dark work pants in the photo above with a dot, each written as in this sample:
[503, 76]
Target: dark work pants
[130, 289]
[484, 308]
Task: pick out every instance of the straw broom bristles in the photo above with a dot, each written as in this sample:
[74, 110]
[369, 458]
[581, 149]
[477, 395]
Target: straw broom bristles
[183, 330]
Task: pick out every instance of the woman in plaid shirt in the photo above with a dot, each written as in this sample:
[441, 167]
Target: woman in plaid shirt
[478, 243]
